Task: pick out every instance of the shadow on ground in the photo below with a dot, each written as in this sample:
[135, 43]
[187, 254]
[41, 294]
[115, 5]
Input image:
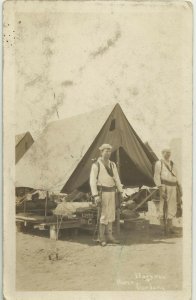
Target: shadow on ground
[153, 235]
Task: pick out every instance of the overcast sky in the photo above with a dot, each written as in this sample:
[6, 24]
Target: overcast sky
[68, 63]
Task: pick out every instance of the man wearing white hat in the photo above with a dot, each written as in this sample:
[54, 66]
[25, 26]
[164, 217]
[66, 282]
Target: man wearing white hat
[165, 177]
[104, 181]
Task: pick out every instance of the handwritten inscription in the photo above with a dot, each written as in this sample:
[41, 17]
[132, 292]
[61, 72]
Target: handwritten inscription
[143, 282]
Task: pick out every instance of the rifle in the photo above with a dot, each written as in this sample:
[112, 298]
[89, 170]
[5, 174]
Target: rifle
[165, 215]
[96, 237]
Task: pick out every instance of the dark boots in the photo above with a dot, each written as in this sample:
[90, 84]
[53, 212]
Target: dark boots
[102, 228]
[170, 226]
[110, 237]
[108, 230]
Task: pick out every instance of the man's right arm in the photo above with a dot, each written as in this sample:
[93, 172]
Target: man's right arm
[157, 174]
[93, 179]
[157, 177]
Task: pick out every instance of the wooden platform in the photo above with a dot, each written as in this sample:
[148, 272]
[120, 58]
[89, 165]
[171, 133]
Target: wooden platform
[51, 223]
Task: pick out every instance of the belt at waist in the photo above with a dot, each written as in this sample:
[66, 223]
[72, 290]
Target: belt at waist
[106, 188]
[170, 183]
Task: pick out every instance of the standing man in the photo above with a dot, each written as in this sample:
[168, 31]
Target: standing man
[165, 178]
[104, 181]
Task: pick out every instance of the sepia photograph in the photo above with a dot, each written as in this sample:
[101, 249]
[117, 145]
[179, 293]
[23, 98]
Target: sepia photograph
[97, 149]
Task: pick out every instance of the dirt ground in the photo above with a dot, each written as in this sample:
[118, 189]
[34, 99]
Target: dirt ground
[143, 261]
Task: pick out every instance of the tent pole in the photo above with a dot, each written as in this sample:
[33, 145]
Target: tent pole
[118, 196]
[46, 204]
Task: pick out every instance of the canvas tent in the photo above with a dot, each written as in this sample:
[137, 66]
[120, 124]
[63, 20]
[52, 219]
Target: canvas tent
[151, 151]
[61, 158]
[22, 143]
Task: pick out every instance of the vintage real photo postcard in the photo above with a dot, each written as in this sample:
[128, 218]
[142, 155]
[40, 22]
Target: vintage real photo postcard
[97, 130]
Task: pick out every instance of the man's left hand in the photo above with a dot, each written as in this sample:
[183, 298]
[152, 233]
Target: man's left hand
[123, 195]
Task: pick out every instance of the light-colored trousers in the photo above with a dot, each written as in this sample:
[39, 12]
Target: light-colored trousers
[170, 192]
[108, 207]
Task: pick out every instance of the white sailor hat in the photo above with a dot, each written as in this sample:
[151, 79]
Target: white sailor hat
[105, 146]
[166, 149]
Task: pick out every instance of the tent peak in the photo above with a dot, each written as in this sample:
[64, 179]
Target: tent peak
[117, 105]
